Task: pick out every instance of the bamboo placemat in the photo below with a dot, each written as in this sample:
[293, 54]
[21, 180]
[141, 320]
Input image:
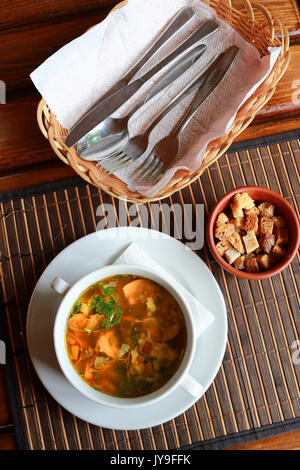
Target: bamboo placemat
[256, 392]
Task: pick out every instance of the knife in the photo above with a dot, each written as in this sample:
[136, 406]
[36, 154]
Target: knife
[91, 147]
[211, 78]
[112, 103]
[183, 17]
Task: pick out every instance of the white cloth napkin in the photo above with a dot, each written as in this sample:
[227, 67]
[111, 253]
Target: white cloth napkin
[74, 78]
[136, 255]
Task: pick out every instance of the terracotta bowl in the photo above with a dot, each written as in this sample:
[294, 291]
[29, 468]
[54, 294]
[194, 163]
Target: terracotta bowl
[258, 193]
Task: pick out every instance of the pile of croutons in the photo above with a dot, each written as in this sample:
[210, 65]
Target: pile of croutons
[252, 238]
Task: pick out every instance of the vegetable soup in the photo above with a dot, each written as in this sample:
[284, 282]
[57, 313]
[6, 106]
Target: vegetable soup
[126, 336]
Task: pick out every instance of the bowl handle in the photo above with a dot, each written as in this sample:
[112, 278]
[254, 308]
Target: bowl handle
[60, 286]
[191, 385]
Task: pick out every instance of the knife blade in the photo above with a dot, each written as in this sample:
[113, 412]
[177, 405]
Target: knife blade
[182, 18]
[112, 103]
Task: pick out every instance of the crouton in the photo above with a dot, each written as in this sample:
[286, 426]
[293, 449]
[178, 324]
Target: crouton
[237, 242]
[250, 242]
[224, 231]
[239, 263]
[259, 249]
[266, 225]
[266, 209]
[243, 201]
[278, 252]
[282, 238]
[251, 223]
[236, 211]
[231, 255]
[252, 211]
[264, 261]
[267, 241]
[251, 237]
[238, 222]
[251, 265]
[222, 218]
[279, 222]
[223, 246]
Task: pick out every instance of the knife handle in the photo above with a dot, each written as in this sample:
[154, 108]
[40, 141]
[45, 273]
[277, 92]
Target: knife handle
[184, 16]
[213, 76]
[189, 88]
[202, 32]
[178, 69]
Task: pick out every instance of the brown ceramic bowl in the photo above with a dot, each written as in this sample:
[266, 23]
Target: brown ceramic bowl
[258, 193]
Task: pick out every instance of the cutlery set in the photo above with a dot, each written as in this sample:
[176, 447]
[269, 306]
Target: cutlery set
[104, 139]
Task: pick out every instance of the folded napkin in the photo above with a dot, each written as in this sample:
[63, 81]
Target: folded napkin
[136, 255]
[79, 73]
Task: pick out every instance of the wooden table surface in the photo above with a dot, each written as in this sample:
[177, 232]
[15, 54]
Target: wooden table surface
[29, 34]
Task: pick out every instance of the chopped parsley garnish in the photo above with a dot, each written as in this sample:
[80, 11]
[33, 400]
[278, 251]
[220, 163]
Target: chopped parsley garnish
[76, 308]
[80, 372]
[96, 375]
[87, 330]
[119, 276]
[107, 305]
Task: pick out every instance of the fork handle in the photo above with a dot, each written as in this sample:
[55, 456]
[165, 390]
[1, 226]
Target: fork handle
[176, 100]
[213, 77]
[179, 68]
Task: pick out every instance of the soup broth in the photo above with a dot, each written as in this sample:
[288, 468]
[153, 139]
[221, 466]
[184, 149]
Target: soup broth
[126, 336]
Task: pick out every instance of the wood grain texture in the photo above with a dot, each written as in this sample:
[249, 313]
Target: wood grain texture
[21, 143]
[289, 441]
[50, 11]
[24, 50]
[286, 11]
[266, 127]
[8, 442]
[5, 414]
[286, 98]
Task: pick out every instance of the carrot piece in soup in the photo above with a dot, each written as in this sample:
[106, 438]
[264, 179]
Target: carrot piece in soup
[74, 347]
[75, 352]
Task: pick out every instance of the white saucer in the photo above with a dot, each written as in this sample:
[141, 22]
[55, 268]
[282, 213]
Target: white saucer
[100, 249]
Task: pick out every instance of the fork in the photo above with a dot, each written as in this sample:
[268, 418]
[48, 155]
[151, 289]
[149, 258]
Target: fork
[166, 150]
[113, 133]
[136, 146]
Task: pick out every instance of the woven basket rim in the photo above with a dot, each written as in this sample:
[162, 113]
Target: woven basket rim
[112, 185]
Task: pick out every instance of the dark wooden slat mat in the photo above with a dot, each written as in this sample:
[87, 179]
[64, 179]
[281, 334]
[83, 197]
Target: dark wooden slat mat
[257, 386]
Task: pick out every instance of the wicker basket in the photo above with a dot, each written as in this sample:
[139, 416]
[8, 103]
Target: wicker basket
[260, 32]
